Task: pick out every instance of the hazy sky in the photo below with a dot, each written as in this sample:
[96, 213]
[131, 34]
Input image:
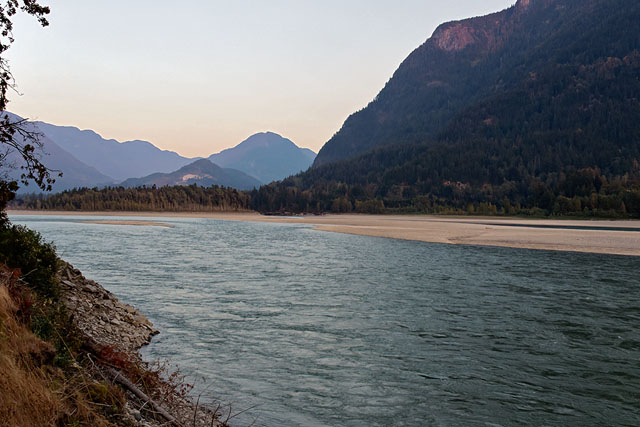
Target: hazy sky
[197, 76]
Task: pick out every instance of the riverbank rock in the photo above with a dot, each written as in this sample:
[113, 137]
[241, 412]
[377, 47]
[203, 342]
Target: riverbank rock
[100, 316]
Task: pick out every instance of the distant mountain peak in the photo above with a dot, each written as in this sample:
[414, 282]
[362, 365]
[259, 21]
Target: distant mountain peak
[265, 139]
[201, 163]
[267, 156]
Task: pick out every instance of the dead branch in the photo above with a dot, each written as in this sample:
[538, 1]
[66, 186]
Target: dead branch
[124, 381]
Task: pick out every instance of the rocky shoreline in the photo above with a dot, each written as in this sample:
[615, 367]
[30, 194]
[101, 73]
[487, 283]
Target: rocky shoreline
[100, 316]
[109, 326]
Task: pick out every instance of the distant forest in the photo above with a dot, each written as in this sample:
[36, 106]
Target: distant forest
[190, 198]
[584, 193]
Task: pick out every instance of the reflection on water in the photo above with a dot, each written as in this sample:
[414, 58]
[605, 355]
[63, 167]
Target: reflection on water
[327, 329]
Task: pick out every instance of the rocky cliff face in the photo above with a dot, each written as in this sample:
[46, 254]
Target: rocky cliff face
[455, 37]
[486, 32]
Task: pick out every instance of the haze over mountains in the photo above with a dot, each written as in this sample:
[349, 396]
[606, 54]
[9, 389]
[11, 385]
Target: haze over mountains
[76, 173]
[119, 160]
[87, 160]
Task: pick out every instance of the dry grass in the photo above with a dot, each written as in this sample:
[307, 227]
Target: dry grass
[33, 390]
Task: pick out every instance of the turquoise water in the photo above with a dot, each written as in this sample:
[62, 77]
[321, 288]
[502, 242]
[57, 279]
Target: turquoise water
[312, 328]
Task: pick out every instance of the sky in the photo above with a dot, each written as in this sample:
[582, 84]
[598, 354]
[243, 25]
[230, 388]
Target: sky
[198, 76]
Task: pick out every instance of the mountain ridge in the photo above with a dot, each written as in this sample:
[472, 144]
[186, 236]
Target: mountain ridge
[75, 172]
[121, 160]
[266, 156]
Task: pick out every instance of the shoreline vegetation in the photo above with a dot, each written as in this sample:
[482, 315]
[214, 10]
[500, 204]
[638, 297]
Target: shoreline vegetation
[612, 237]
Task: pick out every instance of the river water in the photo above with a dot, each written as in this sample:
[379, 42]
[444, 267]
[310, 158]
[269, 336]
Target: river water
[309, 328]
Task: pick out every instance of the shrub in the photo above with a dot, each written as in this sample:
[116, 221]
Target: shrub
[25, 249]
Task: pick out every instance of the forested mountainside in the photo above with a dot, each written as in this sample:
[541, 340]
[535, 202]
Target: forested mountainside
[535, 108]
[461, 63]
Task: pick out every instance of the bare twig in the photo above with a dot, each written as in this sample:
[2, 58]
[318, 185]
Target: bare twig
[228, 415]
[195, 412]
[241, 412]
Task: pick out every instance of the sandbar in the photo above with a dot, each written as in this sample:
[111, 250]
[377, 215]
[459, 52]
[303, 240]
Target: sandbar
[134, 223]
[616, 237]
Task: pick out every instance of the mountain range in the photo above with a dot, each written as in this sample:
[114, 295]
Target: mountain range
[535, 106]
[88, 160]
[76, 173]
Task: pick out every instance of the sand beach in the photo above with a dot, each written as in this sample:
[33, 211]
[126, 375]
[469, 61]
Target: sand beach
[615, 237]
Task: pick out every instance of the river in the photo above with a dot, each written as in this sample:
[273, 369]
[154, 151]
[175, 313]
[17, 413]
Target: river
[308, 328]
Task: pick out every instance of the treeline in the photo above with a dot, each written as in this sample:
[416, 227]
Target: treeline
[586, 192]
[190, 198]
